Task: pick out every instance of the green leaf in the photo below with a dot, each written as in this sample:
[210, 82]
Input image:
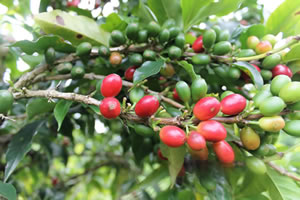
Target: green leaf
[19, 146]
[282, 187]
[114, 22]
[60, 111]
[189, 68]
[32, 60]
[148, 68]
[285, 18]
[166, 9]
[8, 191]
[251, 71]
[38, 106]
[44, 42]
[152, 179]
[195, 11]
[293, 54]
[175, 158]
[256, 30]
[76, 29]
[143, 12]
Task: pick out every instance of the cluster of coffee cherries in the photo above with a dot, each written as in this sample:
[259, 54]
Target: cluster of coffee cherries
[110, 107]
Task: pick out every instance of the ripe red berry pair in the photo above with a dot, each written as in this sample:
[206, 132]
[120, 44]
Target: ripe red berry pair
[111, 86]
[208, 107]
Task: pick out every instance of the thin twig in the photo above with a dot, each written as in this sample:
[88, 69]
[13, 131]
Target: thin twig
[283, 172]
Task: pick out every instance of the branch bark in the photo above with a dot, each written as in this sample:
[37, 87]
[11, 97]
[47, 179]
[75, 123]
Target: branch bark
[283, 171]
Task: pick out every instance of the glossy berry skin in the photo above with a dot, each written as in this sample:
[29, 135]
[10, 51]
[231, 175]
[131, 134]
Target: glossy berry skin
[282, 70]
[263, 47]
[73, 3]
[160, 155]
[224, 152]
[206, 108]
[129, 73]
[146, 106]
[199, 155]
[175, 95]
[233, 104]
[212, 131]
[172, 136]
[110, 107]
[246, 77]
[198, 45]
[111, 85]
[196, 141]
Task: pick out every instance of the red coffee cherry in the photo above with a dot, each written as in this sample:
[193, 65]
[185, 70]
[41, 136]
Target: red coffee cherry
[198, 45]
[246, 76]
[110, 107]
[73, 3]
[206, 108]
[129, 73]
[175, 95]
[282, 70]
[160, 155]
[212, 130]
[199, 155]
[224, 151]
[233, 104]
[54, 181]
[196, 141]
[172, 136]
[111, 85]
[146, 106]
[263, 47]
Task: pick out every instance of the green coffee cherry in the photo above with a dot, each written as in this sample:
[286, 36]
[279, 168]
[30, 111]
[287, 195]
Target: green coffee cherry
[143, 130]
[183, 91]
[266, 74]
[256, 165]
[209, 38]
[272, 149]
[295, 106]
[83, 49]
[118, 37]
[164, 36]
[226, 93]
[169, 23]
[174, 52]
[271, 106]
[132, 31]
[142, 36]
[6, 101]
[136, 94]
[278, 83]
[104, 51]
[77, 72]
[252, 41]
[292, 128]
[234, 73]
[271, 61]
[217, 29]
[112, 43]
[271, 38]
[180, 40]
[201, 59]
[153, 29]
[149, 55]
[167, 70]
[50, 55]
[260, 97]
[198, 89]
[174, 31]
[136, 59]
[246, 53]
[290, 93]
[222, 48]
[223, 36]
[64, 68]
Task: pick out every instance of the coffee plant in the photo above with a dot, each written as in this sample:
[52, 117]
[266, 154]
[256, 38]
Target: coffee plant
[192, 105]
